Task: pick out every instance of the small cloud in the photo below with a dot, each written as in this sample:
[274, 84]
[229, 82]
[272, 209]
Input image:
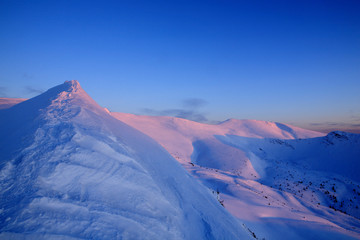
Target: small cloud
[28, 76]
[3, 92]
[31, 90]
[335, 124]
[189, 111]
[315, 124]
[355, 118]
[192, 103]
[180, 113]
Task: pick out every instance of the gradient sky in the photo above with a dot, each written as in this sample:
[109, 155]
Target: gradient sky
[294, 62]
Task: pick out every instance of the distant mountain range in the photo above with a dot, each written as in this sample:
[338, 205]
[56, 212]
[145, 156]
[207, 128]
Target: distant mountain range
[9, 102]
[70, 169]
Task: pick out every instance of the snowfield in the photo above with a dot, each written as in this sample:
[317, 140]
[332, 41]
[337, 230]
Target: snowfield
[70, 169]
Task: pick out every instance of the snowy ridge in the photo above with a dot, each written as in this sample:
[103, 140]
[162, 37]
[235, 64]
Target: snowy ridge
[178, 135]
[73, 171]
[266, 129]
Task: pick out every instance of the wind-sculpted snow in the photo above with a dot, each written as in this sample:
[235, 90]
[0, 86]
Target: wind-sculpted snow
[73, 171]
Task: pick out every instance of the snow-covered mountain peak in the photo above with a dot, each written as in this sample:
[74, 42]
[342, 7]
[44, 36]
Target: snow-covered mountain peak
[65, 97]
[68, 90]
[57, 105]
[74, 84]
[71, 87]
[72, 171]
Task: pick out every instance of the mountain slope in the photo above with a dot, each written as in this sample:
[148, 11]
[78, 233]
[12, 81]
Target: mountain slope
[276, 178]
[69, 170]
[312, 182]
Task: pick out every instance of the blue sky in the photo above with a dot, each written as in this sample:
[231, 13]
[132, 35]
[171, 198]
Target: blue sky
[295, 62]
